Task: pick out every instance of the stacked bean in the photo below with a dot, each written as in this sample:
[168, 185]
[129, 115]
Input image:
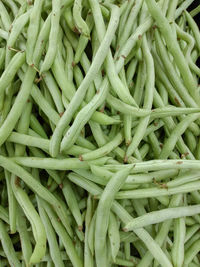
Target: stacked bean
[99, 133]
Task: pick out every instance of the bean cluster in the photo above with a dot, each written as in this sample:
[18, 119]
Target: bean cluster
[99, 133]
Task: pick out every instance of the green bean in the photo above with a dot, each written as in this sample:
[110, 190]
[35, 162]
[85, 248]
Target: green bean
[12, 203]
[53, 38]
[5, 17]
[152, 246]
[69, 60]
[138, 178]
[130, 22]
[127, 128]
[187, 50]
[153, 165]
[82, 118]
[121, 90]
[130, 73]
[41, 41]
[170, 126]
[102, 218]
[104, 150]
[125, 10]
[54, 90]
[4, 214]
[156, 192]
[24, 235]
[173, 47]
[78, 97]
[33, 29]
[35, 125]
[184, 178]
[72, 202]
[148, 99]
[125, 108]
[191, 240]
[3, 34]
[190, 232]
[10, 71]
[8, 246]
[194, 28]
[18, 105]
[195, 11]
[140, 82]
[52, 164]
[91, 234]
[182, 7]
[22, 127]
[105, 92]
[68, 244]
[99, 179]
[24, 139]
[140, 210]
[44, 105]
[191, 252]
[83, 39]
[12, 6]
[88, 258]
[171, 10]
[80, 23]
[36, 186]
[178, 246]
[178, 131]
[172, 73]
[81, 141]
[124, 262]
[17, 27]
[114, 237]
[162, 234]
[35, 221]
[51, 237]
[69, 19]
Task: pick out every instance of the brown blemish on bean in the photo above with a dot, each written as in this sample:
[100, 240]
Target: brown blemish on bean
[177, 101]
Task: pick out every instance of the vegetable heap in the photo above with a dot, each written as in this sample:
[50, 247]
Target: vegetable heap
[99, 133]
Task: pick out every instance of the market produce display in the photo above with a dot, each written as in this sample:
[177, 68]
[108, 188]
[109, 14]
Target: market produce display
[99, 133]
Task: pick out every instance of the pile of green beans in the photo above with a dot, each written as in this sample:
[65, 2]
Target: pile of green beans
[99, 133]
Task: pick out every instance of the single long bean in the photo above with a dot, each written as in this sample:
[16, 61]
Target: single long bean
[162, 215]
[102, 218]
[53, 38]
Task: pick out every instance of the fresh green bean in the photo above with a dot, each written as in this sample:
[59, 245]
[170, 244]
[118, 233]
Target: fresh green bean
[78, 97]
[11, 70]
[8, 246]
[35, 221]
[103, 209]
[173, 47]
[178, 131]
[80, 23]
[68, 244]
[33, 29]
[53, 38]
[51, 237]
[40, 189]
[72, 202]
